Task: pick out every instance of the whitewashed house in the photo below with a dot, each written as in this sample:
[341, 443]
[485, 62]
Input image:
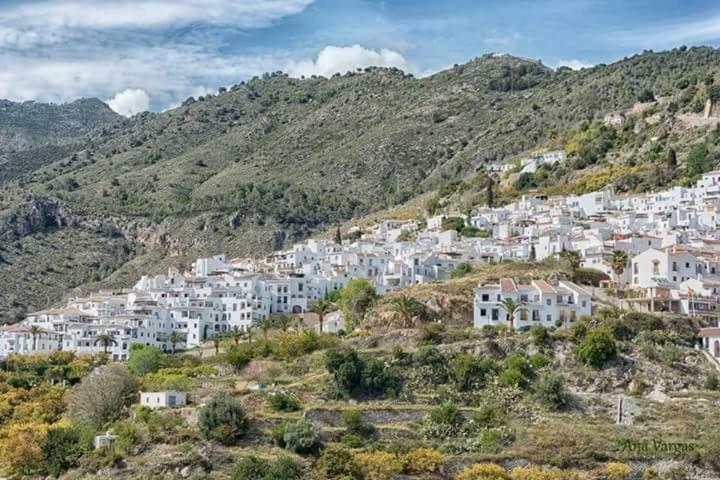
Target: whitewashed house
[168, 399]
[544, 304]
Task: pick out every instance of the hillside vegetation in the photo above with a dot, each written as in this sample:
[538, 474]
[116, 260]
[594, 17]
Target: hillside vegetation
[276, 159]
[427, 401]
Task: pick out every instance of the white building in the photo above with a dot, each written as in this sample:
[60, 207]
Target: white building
[544, 304]
[157, 400]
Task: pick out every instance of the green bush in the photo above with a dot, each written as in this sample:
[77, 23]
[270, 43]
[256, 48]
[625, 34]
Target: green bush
[352, 376]
[539, 360]
[301, 437]
[223, 420]
[549, 390]
[64, 447]
[144, 360]
[355, 424]
[432, 334]
[284, 402]
[470, 372]
[490, 415]
[597, 348]
[540, 336]
[711, 382]
[254, 468]
[238, 356]
[512, 377]
[336, 462]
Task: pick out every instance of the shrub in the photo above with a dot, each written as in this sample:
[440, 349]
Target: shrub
[277, 432]
[103, 395]
[432, 334]
[238, 357]
[378, 465]
[336, 462]
[301, 437]
[512, 377]
[223, 420]
[711, 382]
[537, 473]
[254, 468]
[64, 447]
[469, 372]
[483, 471]
[355, 425]
[444, 421]
[284, 402]
[617, 471]
[346, 368]
[596, 348]
[423, 460]
[540, 336]
[377, 379]
[429, 357]
[550, 391]
[538, 361]
[490, 415]
[144, 359]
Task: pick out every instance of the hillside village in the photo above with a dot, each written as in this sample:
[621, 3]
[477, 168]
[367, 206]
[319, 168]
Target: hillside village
[656, 252]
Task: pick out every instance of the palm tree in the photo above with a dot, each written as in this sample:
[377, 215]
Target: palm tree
[265, 325]
[282, 322]
[216, 343]
[174, 338]
[236, 335]
[511, 307]
[35, 332]
[322, 308]
[573, 259]
[105, 340]
[618, 262]
[405, 308]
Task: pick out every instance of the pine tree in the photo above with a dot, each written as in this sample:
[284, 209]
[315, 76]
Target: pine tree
[489, 194]
[338, 236]
[671, 160]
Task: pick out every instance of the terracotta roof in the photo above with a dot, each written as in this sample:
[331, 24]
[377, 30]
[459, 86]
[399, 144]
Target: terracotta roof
[544, 287]
[709, 332]
[507, 285]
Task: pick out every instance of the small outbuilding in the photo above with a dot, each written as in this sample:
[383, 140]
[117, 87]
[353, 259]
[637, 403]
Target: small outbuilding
[163, 399]
[104, 440]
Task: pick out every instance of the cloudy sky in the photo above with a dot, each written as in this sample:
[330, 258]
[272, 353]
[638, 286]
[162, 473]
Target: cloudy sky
[152, 54]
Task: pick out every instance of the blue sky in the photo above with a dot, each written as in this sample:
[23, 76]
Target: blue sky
[140, 54]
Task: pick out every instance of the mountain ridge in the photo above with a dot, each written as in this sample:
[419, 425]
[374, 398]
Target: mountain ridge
[276, 159]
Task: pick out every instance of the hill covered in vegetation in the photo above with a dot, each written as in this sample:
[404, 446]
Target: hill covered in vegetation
[408, 398]
[276, 159]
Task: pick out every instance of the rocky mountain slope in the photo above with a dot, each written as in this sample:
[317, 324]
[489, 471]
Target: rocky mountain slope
[36, 134]
[275, 159]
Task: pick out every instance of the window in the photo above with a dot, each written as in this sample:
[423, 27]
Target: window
[635, 268]
[549, 318]
[674, 266]
[535, 316]
[687, 264]
[483, 312]
[523, 315]
[495, 314]
[656, 267]
[548, 301]
[485, 297]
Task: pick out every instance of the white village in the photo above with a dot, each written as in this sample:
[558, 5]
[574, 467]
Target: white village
[659, 252]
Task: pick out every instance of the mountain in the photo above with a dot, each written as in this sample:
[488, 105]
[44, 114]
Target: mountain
[36, 134]
[276, 159]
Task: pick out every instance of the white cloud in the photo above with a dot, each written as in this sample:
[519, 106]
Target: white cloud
[333, 59]
[672, 34]
[51, 21]
[130, 102]
[574, 64]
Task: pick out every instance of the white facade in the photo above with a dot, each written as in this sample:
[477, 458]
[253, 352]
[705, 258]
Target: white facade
[157, 400]
[545, 304]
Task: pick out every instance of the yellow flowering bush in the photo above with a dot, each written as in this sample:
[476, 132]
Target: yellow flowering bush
[378, 465]
[423, 460]
[483, 471]
[617, 471]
